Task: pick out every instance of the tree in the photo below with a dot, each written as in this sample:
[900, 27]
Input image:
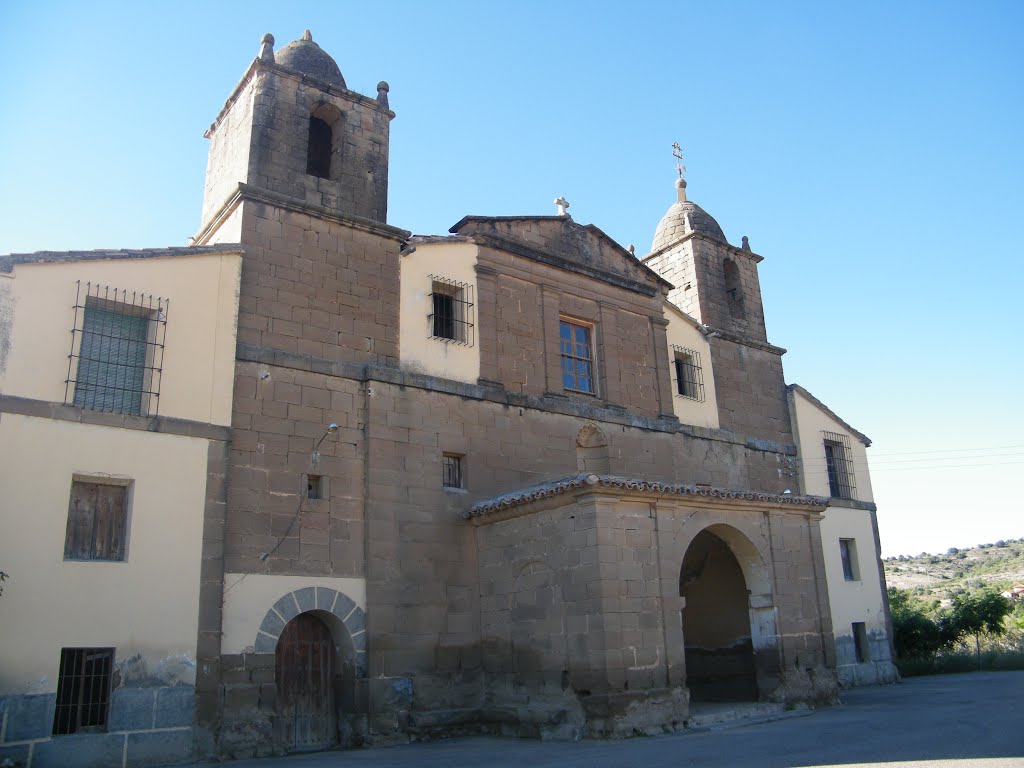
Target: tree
[977, 615]
[915, 636]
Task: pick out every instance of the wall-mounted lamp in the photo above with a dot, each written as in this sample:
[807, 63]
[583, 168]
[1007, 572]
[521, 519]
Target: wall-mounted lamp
[331, 429]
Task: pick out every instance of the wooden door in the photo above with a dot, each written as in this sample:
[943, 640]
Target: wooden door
[305, 683]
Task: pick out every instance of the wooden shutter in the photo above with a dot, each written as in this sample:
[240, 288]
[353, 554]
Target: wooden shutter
[97, 521]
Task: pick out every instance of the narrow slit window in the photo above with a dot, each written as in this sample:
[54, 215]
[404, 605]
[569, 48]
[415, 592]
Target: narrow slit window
[848, 556]
[83, 690]
[860, 642]
[689, 378]
[318, 155]
[451, 467]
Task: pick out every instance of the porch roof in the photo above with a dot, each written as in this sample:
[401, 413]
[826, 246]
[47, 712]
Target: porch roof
[584, 480]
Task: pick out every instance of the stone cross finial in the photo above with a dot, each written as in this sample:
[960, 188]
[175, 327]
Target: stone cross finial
[563, 206]
[677, 153]
[267, 48]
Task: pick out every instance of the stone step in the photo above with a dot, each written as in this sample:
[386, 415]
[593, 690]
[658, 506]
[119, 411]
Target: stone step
[726, 714]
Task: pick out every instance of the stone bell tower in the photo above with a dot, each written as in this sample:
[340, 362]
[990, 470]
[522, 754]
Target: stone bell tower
[717, 283]
[292, 128]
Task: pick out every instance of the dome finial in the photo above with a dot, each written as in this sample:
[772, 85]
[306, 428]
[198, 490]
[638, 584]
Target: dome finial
[307, 36]
[677, 153]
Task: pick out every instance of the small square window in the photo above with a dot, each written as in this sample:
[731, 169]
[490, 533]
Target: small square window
[316, 487]
[452, 476]
[576, 342]
[848, 554]
[451, 311]
[97, 521]
[860, 642]
[689, 378]
[83, 690]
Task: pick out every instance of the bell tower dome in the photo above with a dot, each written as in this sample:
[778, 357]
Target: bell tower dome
[292, 128]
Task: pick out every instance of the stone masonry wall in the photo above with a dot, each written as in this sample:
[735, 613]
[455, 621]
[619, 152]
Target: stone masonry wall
[520, 303]
[283, 105]
[317, 287]
[751, 392]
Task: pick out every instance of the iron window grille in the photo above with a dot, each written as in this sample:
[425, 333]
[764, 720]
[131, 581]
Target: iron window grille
[117, 350]
[839, 466]
[451, 316]
[689, 377]
[577, 357]
[83, 690]
[451, 468]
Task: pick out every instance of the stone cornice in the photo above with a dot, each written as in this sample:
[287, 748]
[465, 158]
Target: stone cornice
[7, 263]
[519, 249]
[756, 258]
[249, 193]
[302, 78]
[168, 425]
[636, 486]
[867, 506]
[493, 391]
[737, 338]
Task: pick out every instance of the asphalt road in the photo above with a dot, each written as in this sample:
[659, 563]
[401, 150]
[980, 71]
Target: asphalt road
[964, 721]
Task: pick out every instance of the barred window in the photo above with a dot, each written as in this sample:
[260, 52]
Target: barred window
[117, 349]
[451, 467]
[451, 316]
[577, 357]
[83, 690]
[839, 466]
[689, 378]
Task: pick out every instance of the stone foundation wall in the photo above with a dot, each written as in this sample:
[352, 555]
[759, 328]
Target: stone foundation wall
[146, 726]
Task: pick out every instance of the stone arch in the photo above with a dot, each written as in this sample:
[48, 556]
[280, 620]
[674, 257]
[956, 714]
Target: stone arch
[592, 454]
[325, 141]
[733, 288]
[345, 619]
[725, 584]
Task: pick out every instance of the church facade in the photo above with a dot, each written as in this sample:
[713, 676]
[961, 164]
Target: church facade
[513, 479]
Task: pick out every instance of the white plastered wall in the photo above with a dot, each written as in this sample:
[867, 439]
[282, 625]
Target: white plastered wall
[248, 598]
[146, 605]
[682, 332]
[198, 364]
[861, 599]
[418, 351]
[810, 423]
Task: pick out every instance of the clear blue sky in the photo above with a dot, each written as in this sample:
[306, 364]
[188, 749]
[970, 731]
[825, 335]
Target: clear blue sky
[872, 152]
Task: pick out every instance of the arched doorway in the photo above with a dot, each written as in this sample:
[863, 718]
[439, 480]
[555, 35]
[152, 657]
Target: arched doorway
[304, 672]
[719, 650]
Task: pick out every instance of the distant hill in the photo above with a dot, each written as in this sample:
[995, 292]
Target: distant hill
[938, 577]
